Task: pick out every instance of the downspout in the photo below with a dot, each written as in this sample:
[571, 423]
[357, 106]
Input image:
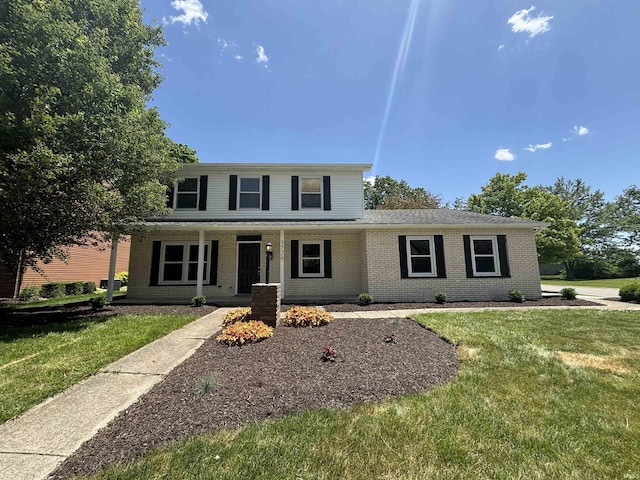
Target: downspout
[282, 263]
[112, 266]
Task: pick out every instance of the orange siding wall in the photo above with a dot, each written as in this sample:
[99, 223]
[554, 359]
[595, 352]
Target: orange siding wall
[85, 263]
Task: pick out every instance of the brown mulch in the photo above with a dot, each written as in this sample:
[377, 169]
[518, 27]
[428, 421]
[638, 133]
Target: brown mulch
[543, 302]
[281, 375]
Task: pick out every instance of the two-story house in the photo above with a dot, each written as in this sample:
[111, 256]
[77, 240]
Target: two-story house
[326, 245]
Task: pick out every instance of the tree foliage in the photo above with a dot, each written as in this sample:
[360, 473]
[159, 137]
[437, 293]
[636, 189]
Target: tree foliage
[388, 193]
[625, 215]
[80, 151]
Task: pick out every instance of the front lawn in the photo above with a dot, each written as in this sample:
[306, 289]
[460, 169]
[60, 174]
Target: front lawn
[604, 282]
[540, 394]
[59, 301]
[38, 361]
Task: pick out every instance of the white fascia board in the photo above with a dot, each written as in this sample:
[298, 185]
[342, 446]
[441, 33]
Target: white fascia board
[277, 167]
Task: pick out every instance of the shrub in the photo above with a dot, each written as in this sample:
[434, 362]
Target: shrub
[52, 290]
[73, 288]
[240, 333]
[199, 301]
[365, 299]
[242, 314]
[28, 294]
[329, 354]
[516, 296]
[98, 302]
[568, 293]
[638, 294]
[441, 297]
[88, 287]
[307, 317]
[123, 277]
[207, 384]
[628, 292]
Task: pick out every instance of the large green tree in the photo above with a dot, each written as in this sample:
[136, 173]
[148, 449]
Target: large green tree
[506, 195]
[80, 150]
[391, 194]
[625, 216]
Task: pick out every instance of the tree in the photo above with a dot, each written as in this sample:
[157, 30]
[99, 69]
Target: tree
[625, 216]
[390, 194]
[80, 151]
[505, 195]
[181, 153]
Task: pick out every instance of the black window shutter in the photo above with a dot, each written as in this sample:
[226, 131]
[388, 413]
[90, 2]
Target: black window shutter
[294, 193]
[502, 253]
[202, 203]
[404, 269]
[294, 259]
[265, 192]
[327, 259]
[233, 192]
[170, 194]
[439, 247]
[213, 263]
[467, 255]
[155, 262]
[326, 191]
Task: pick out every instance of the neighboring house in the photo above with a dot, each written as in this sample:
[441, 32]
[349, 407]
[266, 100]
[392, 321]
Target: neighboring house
[326, 246]
[86, 263]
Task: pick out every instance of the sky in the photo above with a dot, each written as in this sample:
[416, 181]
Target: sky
[441, 93]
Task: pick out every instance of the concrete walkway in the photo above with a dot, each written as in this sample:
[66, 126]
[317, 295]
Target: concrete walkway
[595, 292]
[35, 443]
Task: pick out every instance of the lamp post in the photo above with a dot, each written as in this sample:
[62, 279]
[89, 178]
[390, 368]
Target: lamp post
[269, 248]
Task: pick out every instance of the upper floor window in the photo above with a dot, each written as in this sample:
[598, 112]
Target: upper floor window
[311, 192]
[187, 193]
[179, 263]
[249, 192]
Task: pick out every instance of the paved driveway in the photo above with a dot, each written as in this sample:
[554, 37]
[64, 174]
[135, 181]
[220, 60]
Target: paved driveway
[596, 292]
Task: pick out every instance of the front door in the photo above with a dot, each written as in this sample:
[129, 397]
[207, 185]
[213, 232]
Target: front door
[248, 266]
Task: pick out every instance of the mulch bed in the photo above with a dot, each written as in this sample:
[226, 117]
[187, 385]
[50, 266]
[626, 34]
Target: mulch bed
[281, 375]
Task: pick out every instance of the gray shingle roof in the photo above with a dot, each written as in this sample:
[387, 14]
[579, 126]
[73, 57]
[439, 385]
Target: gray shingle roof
[440, 216]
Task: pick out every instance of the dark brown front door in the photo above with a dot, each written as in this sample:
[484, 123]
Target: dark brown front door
[248, 266]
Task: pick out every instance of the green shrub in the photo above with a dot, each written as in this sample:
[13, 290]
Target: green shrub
[73, 288]
[28, 294]
[628, 292]
[52, 290]
[88, 287]
[365, 299]
[307, 317]
[568, 293]
[123, 277]
[516, 296]
[199, 301]
[441, 297]
[98, 302]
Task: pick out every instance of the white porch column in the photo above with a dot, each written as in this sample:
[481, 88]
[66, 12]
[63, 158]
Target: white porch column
[112, 267]
[282, 263]
[200, 280]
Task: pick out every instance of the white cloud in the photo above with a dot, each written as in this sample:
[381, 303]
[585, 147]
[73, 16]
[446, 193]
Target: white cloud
[566, 139]
[238, 57]
[261, 56]
[500, 47]
[538, 146]
[581, 130]
[370, 179]
[192, 12]
[504, 154]
[521, 21]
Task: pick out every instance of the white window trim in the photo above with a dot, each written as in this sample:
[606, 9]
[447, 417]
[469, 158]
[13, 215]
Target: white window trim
[301, 259]
[496, 255]
[185, 264]
[259, 192]
[432, 256]
[321, 193]
[197, 193]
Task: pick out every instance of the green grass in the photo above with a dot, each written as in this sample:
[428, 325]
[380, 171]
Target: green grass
[69, 299]
[515, 410]
[605, 282]
[39, 361]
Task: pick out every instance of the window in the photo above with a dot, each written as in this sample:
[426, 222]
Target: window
[179, 263]
[249, 194]
[187, 193]
[484, 256]
[421, 256]
[311, 192]
[311, 259]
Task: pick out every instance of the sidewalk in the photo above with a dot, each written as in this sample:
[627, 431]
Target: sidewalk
[35, 443]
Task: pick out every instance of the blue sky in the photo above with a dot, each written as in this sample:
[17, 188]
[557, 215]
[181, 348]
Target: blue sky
[441, 93]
